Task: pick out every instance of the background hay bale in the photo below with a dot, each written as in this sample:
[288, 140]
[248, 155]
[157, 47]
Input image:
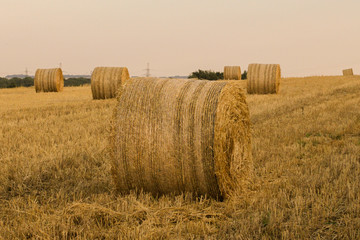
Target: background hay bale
[179, 135]
[49, 80]
[106, 80]
[263, 78]
[232, 73]
[348, 72]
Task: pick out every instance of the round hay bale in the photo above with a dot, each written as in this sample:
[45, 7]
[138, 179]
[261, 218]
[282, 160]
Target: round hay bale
[232, 73]
[179, 135]
[263, 78]
[49, 80]
[105, 81]
[348, 72]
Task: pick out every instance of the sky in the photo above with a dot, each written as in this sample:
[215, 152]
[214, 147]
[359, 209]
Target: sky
[177, 37]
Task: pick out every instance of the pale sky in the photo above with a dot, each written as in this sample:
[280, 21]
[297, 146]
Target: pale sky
[177, 37]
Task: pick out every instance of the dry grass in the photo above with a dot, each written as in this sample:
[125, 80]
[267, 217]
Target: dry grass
[49, 80]
[55, 173]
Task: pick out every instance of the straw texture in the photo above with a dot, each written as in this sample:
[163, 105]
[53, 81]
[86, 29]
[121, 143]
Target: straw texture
[49, 80]
[263, 78]
[232, 73]
[106, 80]
[348, 72]
[179, 135]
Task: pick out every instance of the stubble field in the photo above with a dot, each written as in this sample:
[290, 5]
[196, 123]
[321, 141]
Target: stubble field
[55, 180]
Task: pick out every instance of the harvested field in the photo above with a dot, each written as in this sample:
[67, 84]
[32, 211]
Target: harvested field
[55, 180]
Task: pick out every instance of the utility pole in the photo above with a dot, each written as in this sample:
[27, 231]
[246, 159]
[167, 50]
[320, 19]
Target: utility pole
[148, 70]
[26, 72]
[60, 65]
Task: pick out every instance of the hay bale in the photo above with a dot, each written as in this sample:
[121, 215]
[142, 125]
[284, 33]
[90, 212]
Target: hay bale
[348, 72]
[263, 78]
[179, 135]
[232, 73]
[105, 81]
[49, 80]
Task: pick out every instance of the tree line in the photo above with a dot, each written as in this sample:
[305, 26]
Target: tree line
[29, 81]
[211, 75]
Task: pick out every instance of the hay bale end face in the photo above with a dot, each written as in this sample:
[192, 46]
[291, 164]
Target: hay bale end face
[263, 78]
[232, 73]
[105, 81]
[49, 80]
[348, 72]
[179, 135]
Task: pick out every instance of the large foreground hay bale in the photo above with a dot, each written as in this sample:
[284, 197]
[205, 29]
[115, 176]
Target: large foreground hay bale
[232, 73]
[263, 78]
[348, 72]
[49, 80]
[179, 135]
[105, 81]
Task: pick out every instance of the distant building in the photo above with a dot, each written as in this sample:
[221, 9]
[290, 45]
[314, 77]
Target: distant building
[17, 76]
[65, 76]
[76, 76]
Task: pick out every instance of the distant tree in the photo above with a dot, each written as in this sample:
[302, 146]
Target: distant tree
[207, 74]
[244, 75]
[76, 81]
[29, 81]
[11, 85]
[3, 82]
[16, 82]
